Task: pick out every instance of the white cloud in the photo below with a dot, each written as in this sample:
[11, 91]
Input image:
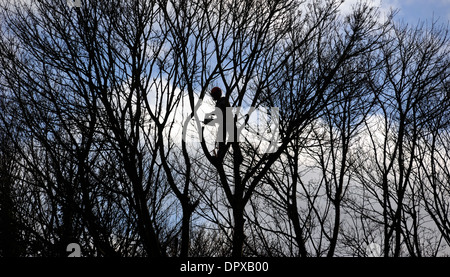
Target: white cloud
[385, 6]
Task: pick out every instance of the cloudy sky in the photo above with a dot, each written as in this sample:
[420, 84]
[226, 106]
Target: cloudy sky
[411, 11]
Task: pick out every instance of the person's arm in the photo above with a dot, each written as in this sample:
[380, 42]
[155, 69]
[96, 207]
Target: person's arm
[208, 118]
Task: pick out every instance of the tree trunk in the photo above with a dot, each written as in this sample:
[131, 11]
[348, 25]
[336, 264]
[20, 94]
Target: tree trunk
[238, 232]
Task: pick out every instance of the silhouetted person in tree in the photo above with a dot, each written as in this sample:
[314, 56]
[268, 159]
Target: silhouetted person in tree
[221, 118]
[227, 126]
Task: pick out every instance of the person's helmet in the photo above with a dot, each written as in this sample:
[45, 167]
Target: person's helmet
[216, 93]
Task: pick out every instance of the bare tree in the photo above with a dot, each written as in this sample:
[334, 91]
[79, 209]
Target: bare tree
[330, 123]
[414, 69]
[95, 103]
[11, 243]
[80, 79]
